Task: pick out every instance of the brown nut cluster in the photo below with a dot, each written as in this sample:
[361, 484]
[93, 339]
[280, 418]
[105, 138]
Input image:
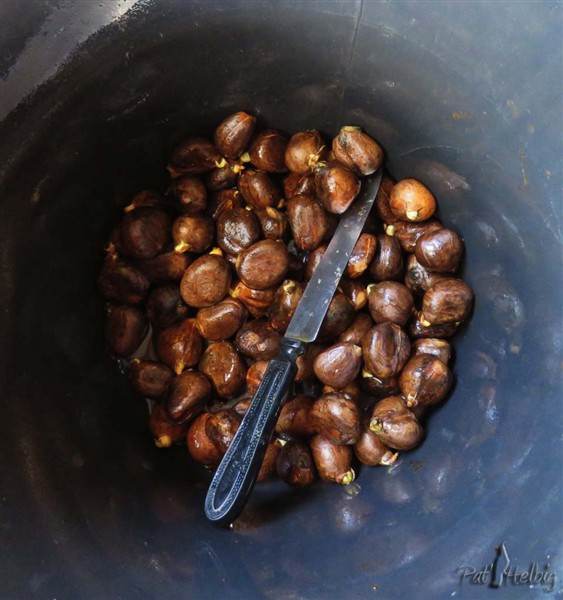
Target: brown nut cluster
[203, 280]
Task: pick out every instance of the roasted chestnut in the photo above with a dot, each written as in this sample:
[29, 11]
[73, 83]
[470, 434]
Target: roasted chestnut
[193, 233]
[267, 151]
[256, 301]
[336, 418]
[193, 157]
[370, 450]
[258, 190]
[304, 151]
[386, 349]
[223, 200]
[268, 467]
[259, 340]
[387, 263]
[439, 251]
[189, 392]
[255, 374]
[411, 200]
[418, 278]
[166, 266]
[408, 232]
[165, 433]
[237, 229]
[206, 281]
[361, 324]
[165, 306]
[190, 194]
[395, 424]
[447, 301]
[307, 220]
[223, 177]
[221, 428]
[355, 292]
[220, 321]
[180, 345]
[126, 327]
[274, 223]
[149, 377]
[338, 318]
[333, 462]
[313, 261]
[295, 464]
[418, 330]
[336, 187]
[361, 256]
[357, 151]
[338, 365]
[425, 379]
[233, 134]
[434, 346]
[296, 183]
[122, 283]
[201, 447]
[263, 265]
[284, 304]
[225, 368]
[295, 416]
[379, 388]
[382, 200]
[390, 301]
[144, 232]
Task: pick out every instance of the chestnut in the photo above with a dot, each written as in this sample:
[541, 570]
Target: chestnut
[221, 321]
[189, 392]
[193, 233]
[223, 177]
[193, 157]
[295, 464]
[295, 184]
[370, 450]
[165, 433]
[258, 339]
[222, 426]
[379, 388]
[336, 187]
[144, 198]
[418, 330]
[149, 377]
[357, 151]
[447, 301]
[411, 200]
[336, 418]
[390, 301]
[206, 281]
[338, 365]
[267, 151]
[361, 324]
[223, 200]
[313, 261]
[283, 306]
[274, 223]
[237, 229]
[258, 190]
[166, 266]
[304, 151]
[263, 265]
[144, 232]
[306, 361]
[233, 134]
[361, 256]
[268, 467]
[307, 220]
[255, 374]
[295, 416]
[165, 306]
[338, 318]
[125, 329]
[439, 251]
[179, 346]
[386, 349]
[201, 447]
[395, 424]
[190, 193]
[122, 283]
[387, 263]
[351, 391]
[333, 462]
[425, 379]
[225, 368]
[408, 232]
[418, 278]
[382, 200]
[256, 301]
[355, 292]
[434, 346]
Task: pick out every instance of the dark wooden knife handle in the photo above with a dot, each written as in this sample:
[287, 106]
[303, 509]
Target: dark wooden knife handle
[236, 475]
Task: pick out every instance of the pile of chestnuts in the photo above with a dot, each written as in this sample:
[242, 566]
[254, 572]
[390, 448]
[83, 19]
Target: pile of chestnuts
[202, 281]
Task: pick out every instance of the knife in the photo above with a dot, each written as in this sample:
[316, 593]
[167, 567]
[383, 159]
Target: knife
[234, 479]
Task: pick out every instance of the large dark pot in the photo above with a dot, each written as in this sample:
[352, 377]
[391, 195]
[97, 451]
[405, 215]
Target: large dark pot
[465, 96]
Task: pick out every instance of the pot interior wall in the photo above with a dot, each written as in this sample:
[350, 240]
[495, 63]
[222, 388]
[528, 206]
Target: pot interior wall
[90, 500]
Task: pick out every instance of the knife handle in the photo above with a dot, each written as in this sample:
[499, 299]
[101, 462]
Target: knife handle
[236, 475]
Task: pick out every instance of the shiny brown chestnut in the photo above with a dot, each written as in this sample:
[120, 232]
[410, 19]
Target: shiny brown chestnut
[190, 194]
[361, 256]
[283, 305]
[361, 324]
[338, 365]
[274, 223]
[225, 368]
[225, 176]
[121, 282]
[355, 292]
[418, 278]
[237, 229]
[144, 232]
[382, 199]
[304, 151]
[166, 266]
[221, 428]
[419, 330]
[255, 374]
[336, 418]
[336, 187]
[295, 184]
[295, 464]
[386, 349]
[370, 450]
[408, 232]
[223, 200]
[434, 346]
[232, 135]
[387, 263]
[338, 318]
[150, 377]
[395, 424]
[163, 431]
[333, 462]
[144, 198]
[308, 221]
[263, 265]
[220, 321]
[189, 392]
[193, 233]
[313, 261]
[125, 329]
[447, 301]
[201, 447]
[439, 251]
[379, 388]
[206, 281]
[411, 200]
[357, 151]
[257, 302]
[165, 306]
[295, 416]
[258, 190]
[179, 346]
[351, 391]
[258, 339]
[390, 301]
[268, 467]
[193, 157]
[267, 151]
[425, 379]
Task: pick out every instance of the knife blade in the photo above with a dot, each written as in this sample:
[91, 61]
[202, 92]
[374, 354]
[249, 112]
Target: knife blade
[236, 475]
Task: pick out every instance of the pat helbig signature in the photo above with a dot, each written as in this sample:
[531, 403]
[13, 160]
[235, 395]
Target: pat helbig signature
[502, 572]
